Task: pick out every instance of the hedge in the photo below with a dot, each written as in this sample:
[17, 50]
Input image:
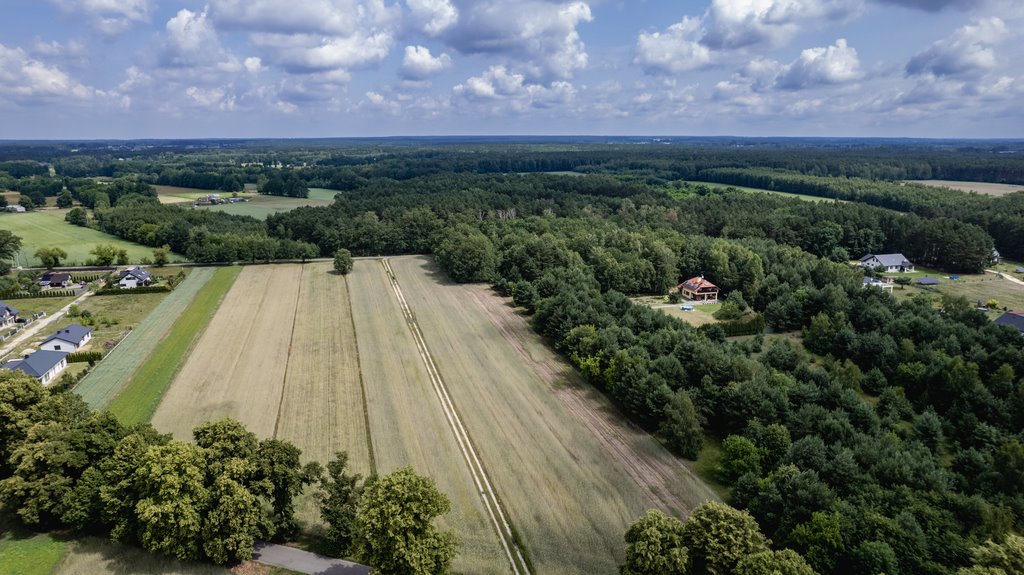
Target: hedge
[83, 356]
[47, 293]
[752, 326]
[147, 289]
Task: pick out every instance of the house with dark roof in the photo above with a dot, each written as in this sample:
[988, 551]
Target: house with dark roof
[69, 339]
[1014, 319]
[889, 263]
[133, 278]
[8, 315]
[42, 365]
[55, 279]
[698, 289]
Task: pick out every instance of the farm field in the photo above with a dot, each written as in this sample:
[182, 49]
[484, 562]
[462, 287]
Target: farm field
[46, 228]
[100, 387]
[569, 493]
[138, 399]
[407, 424]
[979, 187]
[763, 191]
[257, 206]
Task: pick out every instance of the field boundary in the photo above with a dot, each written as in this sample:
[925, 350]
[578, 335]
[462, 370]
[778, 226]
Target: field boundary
[291, 342]
[499, 519]
[362, 384]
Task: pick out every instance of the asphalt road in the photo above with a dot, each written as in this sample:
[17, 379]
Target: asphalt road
[304, 561]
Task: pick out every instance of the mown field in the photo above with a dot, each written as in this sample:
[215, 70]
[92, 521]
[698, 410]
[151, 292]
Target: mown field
[979, 187]
[257, 206]
[763, 191]
[116, 370]
[47, 228]
[568, 495]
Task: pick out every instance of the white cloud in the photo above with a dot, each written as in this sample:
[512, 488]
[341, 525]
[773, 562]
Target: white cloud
[678, 49]
[836, 64]
[419, 64]
[108, 16]
[26, 80]
[539, 37]
[968, 51]
[433, 16]
[499, 84]
[213, 98]
[191, 40]
[735, 24]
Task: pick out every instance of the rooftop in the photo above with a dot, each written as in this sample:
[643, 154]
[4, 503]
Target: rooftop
[36, 364]
[72, 333]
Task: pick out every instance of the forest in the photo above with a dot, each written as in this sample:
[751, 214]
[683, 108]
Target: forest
[863, 434]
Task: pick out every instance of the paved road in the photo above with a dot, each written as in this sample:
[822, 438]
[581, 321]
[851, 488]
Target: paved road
[39, 324]
[304, 561]
[1006, 277]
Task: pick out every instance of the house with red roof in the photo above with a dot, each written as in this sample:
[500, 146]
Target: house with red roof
[698, 289]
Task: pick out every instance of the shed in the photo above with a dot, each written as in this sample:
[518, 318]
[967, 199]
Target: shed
[928, 281]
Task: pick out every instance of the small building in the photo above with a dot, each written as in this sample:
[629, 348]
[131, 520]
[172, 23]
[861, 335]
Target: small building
[1014, 319]
[69, 339]
[698, 289]
[888, 263]
[55, 279]
[15, 209]
[42, 365]
[996, 256]
[877, 283]
[133, 278]
[927, 281]
[8, 315]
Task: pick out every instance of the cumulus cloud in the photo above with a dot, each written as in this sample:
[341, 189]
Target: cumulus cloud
[539, 37]
[934, 5]
[108, 16]
[678, 49]
[968, 51]
[499, 84]
[314, 36]
[419, 64]
[836, 64]
[433, 16]
[26, 80]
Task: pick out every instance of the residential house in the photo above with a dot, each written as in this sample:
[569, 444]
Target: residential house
[55, 279]
[15, 209]
[42, 365]
[133, 278]
[889, 263]
[877, 283]
[71, 338]
[8, 315]
[698, 289]
[1014, 319]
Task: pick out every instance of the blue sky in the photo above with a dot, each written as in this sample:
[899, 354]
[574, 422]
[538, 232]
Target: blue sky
[314, 68]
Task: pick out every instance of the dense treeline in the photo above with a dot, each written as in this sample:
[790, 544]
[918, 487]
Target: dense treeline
[1001, 217]
[201, 235]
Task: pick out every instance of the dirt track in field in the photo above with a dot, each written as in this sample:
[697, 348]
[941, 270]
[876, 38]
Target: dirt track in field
[657, 474]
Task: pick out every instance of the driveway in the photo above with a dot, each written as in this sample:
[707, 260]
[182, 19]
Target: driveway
[1006, 277]
[39, 324]
[304, 561]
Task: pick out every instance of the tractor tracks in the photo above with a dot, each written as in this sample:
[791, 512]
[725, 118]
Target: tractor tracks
[498, 517]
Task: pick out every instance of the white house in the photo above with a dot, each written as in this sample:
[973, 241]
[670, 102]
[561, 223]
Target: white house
[133, 278]
[42, 365]
[16, 209]
[7, 315]
[889, 263]
[71, 338]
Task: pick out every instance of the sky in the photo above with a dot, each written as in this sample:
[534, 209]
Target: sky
[97, 69]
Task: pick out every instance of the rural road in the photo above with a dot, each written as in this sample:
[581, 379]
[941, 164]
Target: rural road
[304, 561]
[38, 325]
[1006, 277]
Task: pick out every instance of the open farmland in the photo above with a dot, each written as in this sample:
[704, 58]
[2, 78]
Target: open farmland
[47, 228]
[571, 476]
[979, 187]
[117, 369]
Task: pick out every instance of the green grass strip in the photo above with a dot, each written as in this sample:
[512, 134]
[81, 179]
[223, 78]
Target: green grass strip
[139, 399]
[26, 553]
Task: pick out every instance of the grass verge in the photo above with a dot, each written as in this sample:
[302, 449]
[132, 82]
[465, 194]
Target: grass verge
[138, 400]
[26, 553]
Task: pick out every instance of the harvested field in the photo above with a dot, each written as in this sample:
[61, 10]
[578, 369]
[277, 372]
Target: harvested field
[117, 369]
[979, 187]
[407, 424]
[570, 473]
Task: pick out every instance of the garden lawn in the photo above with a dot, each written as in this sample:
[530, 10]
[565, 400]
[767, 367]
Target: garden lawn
[47, 228]
[117, 369]
[26, 553]
[139, 399]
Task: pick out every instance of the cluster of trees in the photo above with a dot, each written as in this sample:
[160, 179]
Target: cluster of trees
[285, 184]
[64, 466]
[202, 235]
[219, 179]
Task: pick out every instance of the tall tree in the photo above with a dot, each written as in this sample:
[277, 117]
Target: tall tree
[338, 504]
[681, 426]
[50, 256]
[654, 546]
[396, 528]
[719, 536]
[173, 499]
[9, 246]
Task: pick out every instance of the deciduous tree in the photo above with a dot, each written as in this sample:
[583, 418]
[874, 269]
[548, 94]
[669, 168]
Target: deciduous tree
[654, 546]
